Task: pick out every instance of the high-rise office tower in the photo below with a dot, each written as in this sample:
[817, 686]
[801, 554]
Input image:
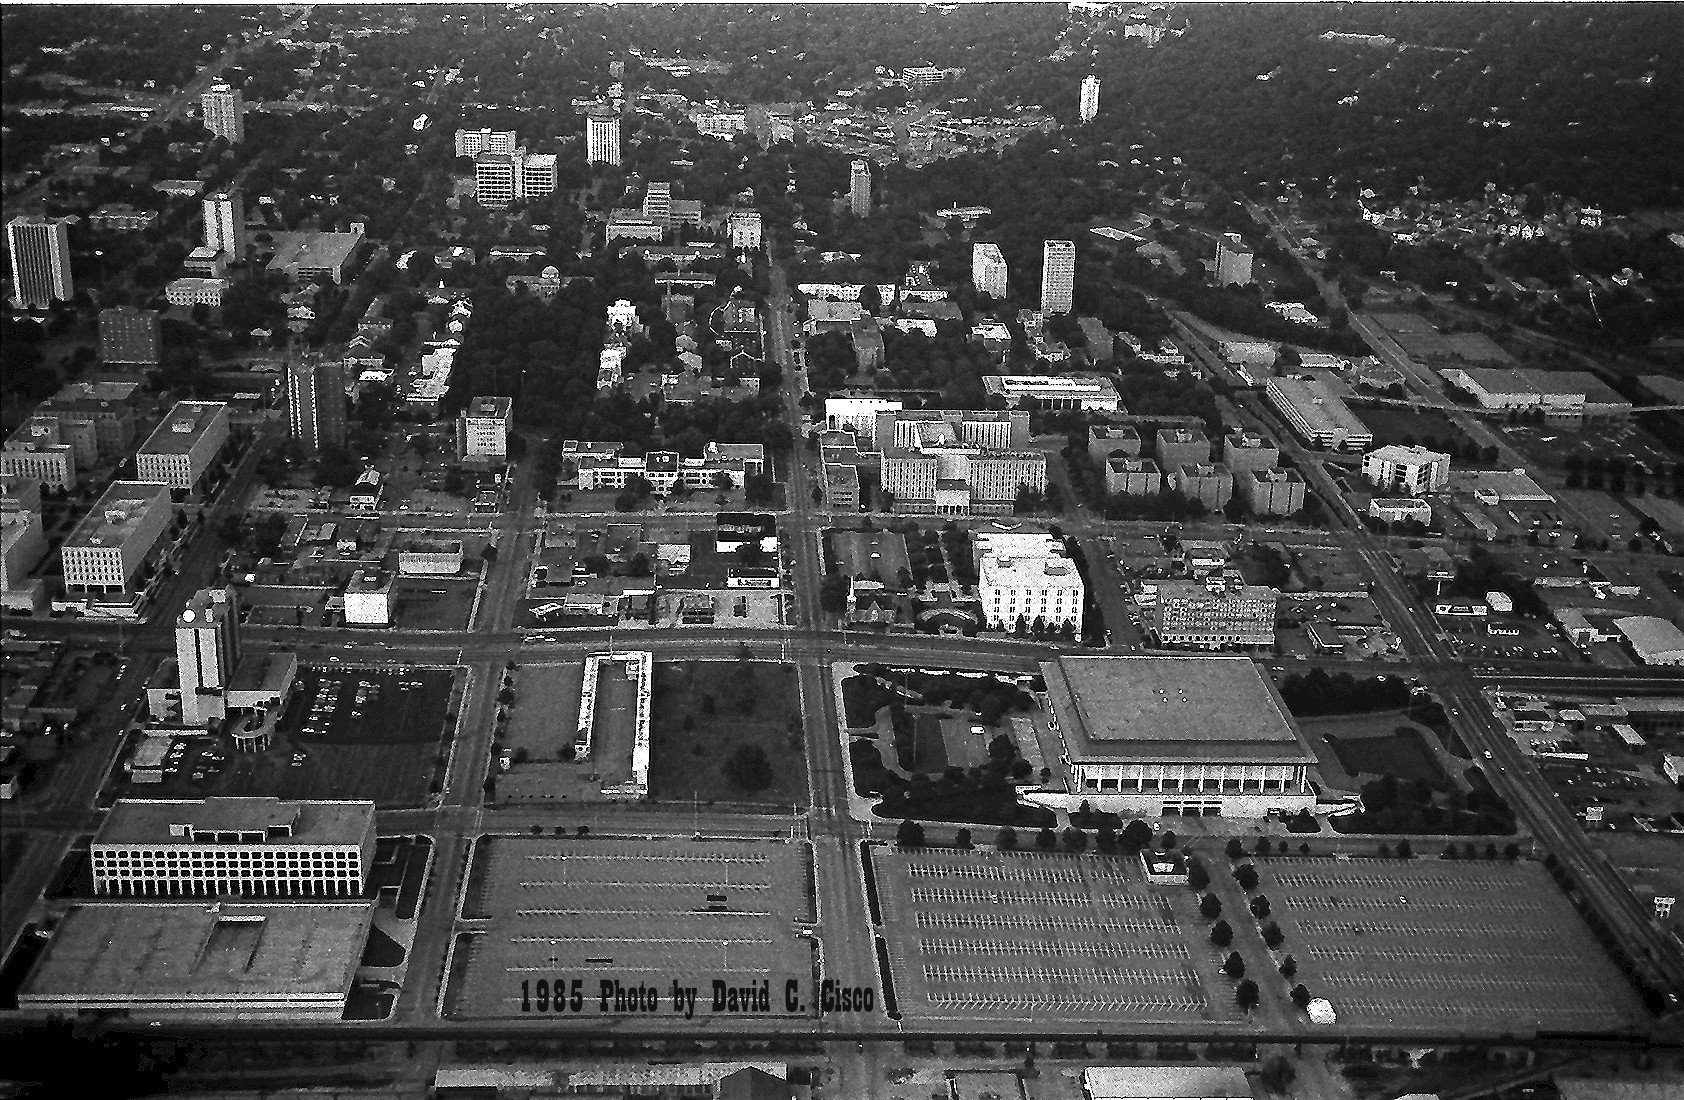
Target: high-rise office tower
[988, 270]
[316, 401]
[207, 649]
[1058, 276]
[224, 112]
[40, 250]
[225, 223]
[657, 203]
[1090, 97]
[471, 143]
[602, 139]
[495, 179]
[859, 188]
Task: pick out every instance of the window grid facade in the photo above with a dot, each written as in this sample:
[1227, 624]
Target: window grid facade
[219, 868]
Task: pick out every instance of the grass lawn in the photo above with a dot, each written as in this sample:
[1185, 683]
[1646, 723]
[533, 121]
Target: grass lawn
[932, 749]
[1402, 753]
[690, 762]
[862, 698]
[1426, 427]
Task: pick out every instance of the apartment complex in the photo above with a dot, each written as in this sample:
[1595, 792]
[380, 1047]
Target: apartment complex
[1219, 612]
[745, 230]
[1028, 578]
[1243, 451]
[225, 224]
[182, 449]
[224, 111]
[1410, 471]
[234, 845]
[1058, 277]
[482, 431]
[1089, 105]
[129, 336]
[602, 139]
[316, 401]
[105, 552]
[1176, 447]
[471, 143]
[1132, 477]
[957, 462]
[1270, 492]
[859, 188]
[1318, 415]
[602, 465]
[988, 269]
[503, 178]
[40, 251]
[1209, 483]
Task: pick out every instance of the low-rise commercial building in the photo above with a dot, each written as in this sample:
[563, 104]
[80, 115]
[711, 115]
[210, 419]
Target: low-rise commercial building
[1028, 578]
[430, 558]
[1656, 641]
[368, 598]
[1318, 416]
[1092, 393]
[1196, 735]
[605, 466]
[1219, 612]
[185, 446]
[1567, 397]
[1401, 510]
[1411, 471]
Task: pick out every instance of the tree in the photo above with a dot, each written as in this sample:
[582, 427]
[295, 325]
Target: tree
[1301, 996]
[1259, 906]
[1137, 835]
[488, 554]
[1511, 851]
[1234, 849]
[1046, 840]
[1210, 907]
[962, 840]
[1289, 967]
[1272, 935]
[1233, 965]
[1105, 840]
[1002, 749]
[1006, 839]
[1222, 933]
[748, 769]
[909, 835]
[1197, 877]
[1262, 846]
[1246, 876]
[1075, 839]
[1167, 841]
[1404, 851]
[1246, 996]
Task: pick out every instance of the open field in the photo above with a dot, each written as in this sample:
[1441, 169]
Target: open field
[709, 697]
[1425, 427]
[433, 603]
[1380, 744]
[642, 913]
[1041, 936]
[1436, 945]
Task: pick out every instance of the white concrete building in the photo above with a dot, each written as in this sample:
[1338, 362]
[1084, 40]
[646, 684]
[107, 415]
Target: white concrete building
[1027, 576]
[482, 431]
[207, 650]
[38, 449]
[859, 188]
[1058, 276]
[744, 227]
[1656, 641]
[368, 598]
[1411, 471]
[40, 252]
[602, 466]
[191, 291]
[602, 139]
[1401, 510]
[471, 143]
[1055, 391]
[988, 269]
[106, 550]
[224, 111]
[857, 413]
[1089, 106]
[225, 224]
[1233, 261]
[1169, 736]
[1317, 414]
[617, 688]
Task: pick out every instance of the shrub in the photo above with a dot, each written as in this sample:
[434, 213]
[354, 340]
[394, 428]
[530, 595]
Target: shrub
[1289, 967]
[1006, 838]
[1404, 851]
[962, 839]
[1511, 851]
[1262, 846]
[1197, 877]
[1106, 839]
[1300, 996]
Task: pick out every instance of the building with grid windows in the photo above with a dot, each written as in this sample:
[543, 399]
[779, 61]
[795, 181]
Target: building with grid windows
[859, 188]
[471, 143]
[602, 139]
[602, 466]
[955, 462]
[38, 449]
[234, 845]
[103, 555]
[40, 251]
[129, 336]
[1058, 276]
[1157, 736]
[1220, 612]
[180, 451]
[988, 269]
[1408, 471]
[1027, 577]
[224, 112]
[482, 431]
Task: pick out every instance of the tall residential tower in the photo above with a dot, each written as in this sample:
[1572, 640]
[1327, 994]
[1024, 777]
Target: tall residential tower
[1090, 97]
[1058, 276]
[859, 188]
[40, 250]
[602, 139]
[224, 113]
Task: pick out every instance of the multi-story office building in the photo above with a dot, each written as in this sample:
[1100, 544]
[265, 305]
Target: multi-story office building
[502, 178]
[225, 223]
[1088, 392]
[601, 465]
[181, 450]
[23, 542]
[38, 450]
[191, 291]
[233, 845]
[602, 139]
[207, 650]
[1219, 612]
[745, 229]
[105, 552]
[129, 336]
[1090, 98]
[859, 188]
[1270, 492]
[471, 143]
[1026, 577]
[1411, 471]
[482, 431]
[1176, 447]
[316, 401]
[957, 462]
[1112, 440]
[1058, 276]
[657, 202]
[98, 418]
[1133, 477]
[1178, 736]
[40, 251]
[224, 113]
[988, 269]
[856, 411]
[1243, 450]
[1317, 414]
[920, 77]
[1233, 261]
[1211, 484]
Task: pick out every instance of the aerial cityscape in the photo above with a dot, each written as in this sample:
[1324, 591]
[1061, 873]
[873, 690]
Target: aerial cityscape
[987, 551]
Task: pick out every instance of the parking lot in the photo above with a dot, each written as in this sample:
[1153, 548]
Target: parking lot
[1437, 945]
[1031, 936]
[644, 913]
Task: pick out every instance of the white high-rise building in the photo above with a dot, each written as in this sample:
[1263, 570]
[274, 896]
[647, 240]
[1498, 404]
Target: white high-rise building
[745, 230]
[471, 143]
[1058, 276]
[1027, 577]
[501, 178]
[40, 251]
[988, 270]
[859, 188]
[1090, 97]
[224, 112]
[602, 139]
[207, 648]
[657, 203]
[225, 223]
[1407, 471]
